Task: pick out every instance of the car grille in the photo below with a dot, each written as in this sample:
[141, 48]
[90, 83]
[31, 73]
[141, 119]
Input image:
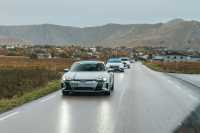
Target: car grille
[67, 86]
[83, 88]
[71, 86]
[114, 67]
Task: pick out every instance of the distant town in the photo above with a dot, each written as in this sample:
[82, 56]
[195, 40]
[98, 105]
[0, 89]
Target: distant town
[77, 52]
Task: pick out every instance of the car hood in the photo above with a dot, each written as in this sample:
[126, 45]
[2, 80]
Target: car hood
[127, 62]
[86, 75]
[113, 64]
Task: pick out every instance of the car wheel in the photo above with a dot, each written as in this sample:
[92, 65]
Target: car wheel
[107, 93]
[112, 87]
[64, 93]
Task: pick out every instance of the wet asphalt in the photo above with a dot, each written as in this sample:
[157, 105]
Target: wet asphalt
[144, 101]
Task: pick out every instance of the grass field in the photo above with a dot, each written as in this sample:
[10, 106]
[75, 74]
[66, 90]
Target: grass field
[16, 82]
[24, 62]
[23, 79]
[7, 104]
[175, 67]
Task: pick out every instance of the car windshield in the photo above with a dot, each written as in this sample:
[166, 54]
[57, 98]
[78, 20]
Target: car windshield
[88, 67]
[114, 61]
[124, 59]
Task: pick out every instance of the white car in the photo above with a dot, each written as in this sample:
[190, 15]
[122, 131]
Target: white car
[126, 61]
[87, 76]
[115, 64]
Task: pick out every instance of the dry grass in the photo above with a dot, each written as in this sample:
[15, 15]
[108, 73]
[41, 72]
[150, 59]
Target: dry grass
[175, 67]
[23, 62]
[7, 104]
[19, 75]
[23, 79]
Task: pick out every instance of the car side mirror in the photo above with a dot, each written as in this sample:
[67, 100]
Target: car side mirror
[66, 70]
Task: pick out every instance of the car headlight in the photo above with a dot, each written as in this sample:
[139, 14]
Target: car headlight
[101, 78]
[64, 78]
[107, 65]
[121, 65]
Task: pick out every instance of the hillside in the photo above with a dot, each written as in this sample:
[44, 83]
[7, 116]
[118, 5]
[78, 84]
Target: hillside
[173, 34]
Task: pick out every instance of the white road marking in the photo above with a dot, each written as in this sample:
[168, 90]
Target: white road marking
[193, 97]
[185, 91]
[177, 86]
[9, 115]
[47, 99]
[169, 81]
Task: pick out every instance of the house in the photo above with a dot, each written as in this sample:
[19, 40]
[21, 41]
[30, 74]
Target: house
[10, 47]
[171, 56]
[3, 51]
[176, 58]
[93, 50]
[194, 58]
[158, 58]
[44, 56]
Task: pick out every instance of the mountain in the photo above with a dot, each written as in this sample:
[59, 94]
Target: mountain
[176, 33]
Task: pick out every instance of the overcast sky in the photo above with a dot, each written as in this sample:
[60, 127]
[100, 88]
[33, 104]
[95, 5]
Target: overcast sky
[95, 12]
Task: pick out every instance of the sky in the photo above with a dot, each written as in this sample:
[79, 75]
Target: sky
[84, 13]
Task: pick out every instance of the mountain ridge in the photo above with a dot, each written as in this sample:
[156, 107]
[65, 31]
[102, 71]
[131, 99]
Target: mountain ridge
[176, 33]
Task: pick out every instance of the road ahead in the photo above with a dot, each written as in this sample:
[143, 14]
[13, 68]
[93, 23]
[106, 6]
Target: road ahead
[144, 101]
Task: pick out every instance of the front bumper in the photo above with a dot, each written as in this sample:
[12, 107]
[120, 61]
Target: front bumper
[85, 91]
[95, 86]
[116, 68]
[127, 66]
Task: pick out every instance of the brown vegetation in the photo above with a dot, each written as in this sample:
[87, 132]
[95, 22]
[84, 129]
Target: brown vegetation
[175, 67]
[24, 62]
[19, 75]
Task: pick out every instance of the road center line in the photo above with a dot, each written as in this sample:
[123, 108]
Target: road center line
[9, 115]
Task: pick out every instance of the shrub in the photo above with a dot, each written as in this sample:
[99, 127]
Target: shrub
[7, 104]
[175, 67]
[18, 81]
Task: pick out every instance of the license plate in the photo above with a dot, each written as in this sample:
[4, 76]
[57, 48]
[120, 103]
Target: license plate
[86, 84]
[83, 84]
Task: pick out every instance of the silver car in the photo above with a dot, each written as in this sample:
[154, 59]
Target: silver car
[126, 62]
[87, 76]
[115, 64]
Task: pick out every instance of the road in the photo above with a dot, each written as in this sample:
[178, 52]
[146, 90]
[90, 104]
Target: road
[190, 78]
[144, 101]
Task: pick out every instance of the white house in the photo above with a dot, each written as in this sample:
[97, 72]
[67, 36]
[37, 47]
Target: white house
[176, 58]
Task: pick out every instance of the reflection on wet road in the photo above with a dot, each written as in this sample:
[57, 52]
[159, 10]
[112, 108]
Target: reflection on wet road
[143, 101]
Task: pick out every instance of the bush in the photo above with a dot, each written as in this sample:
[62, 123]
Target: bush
[175, 67]
[15, 82]
[7, 104]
